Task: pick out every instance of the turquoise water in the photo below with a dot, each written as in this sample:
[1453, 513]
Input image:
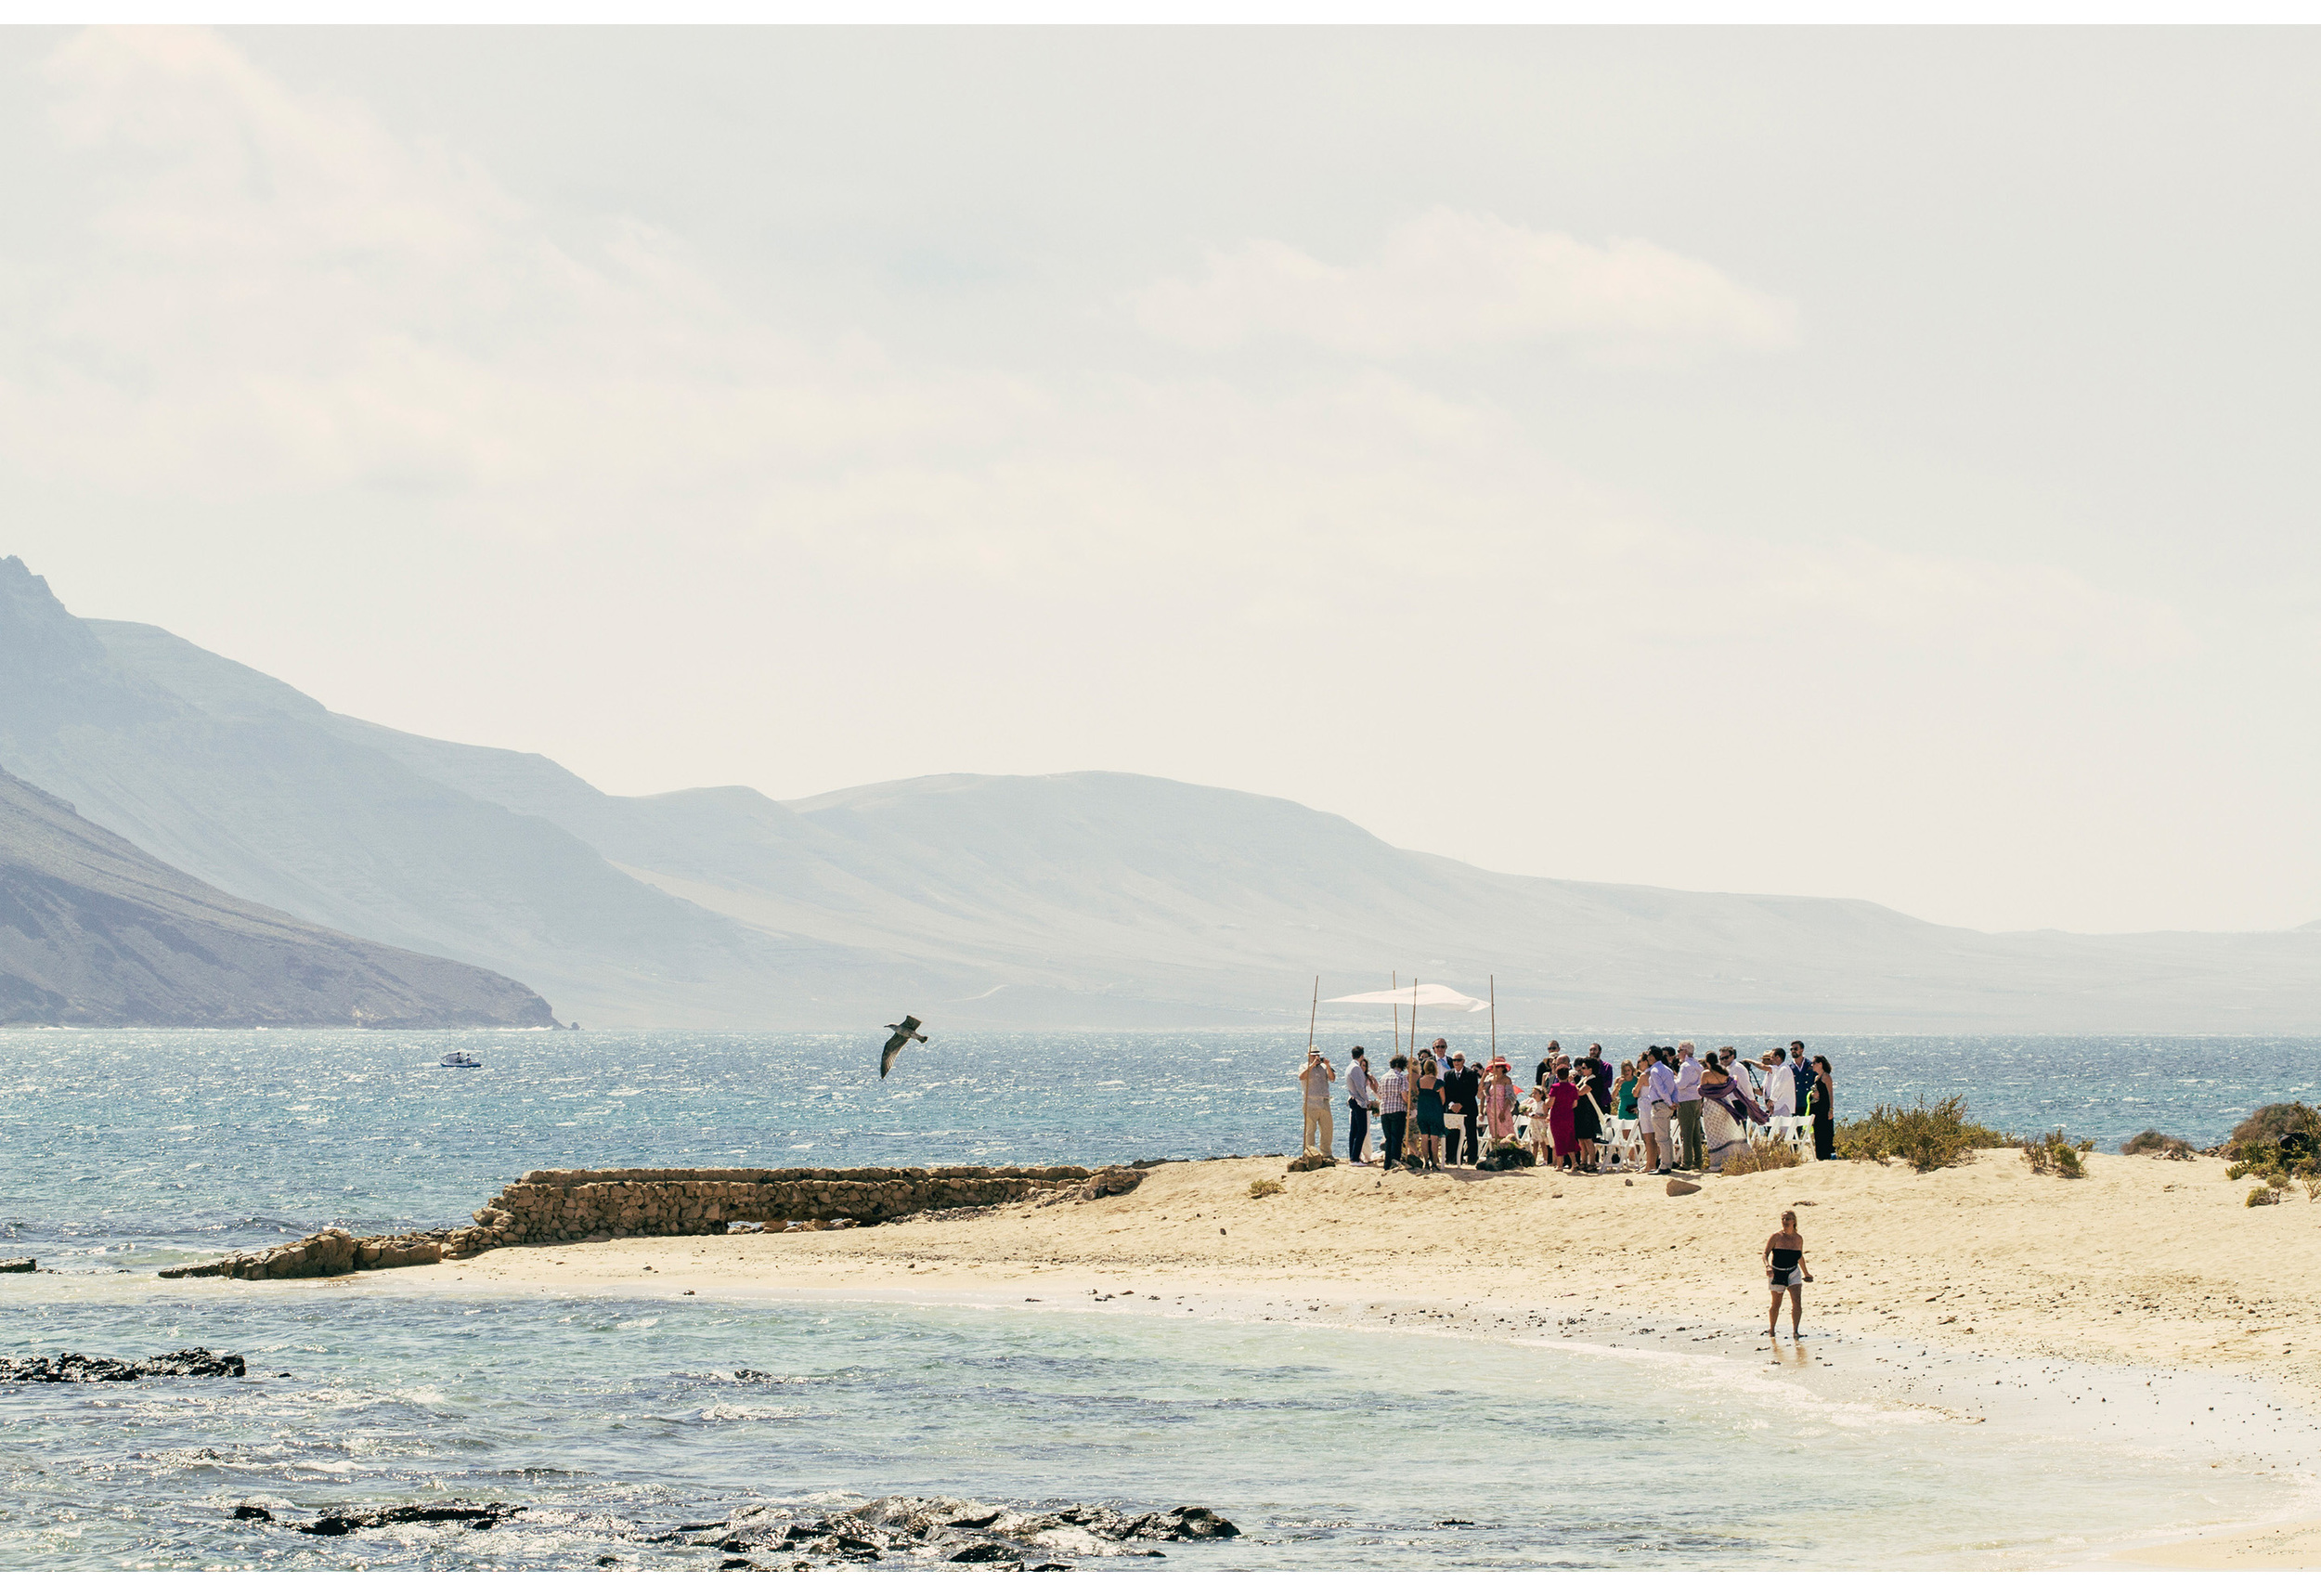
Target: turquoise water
[1331, 1448]
[612, 1421]
[165, 1145]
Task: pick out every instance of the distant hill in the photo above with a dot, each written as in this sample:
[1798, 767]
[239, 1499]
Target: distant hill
[250, 786]
[990, 901]
[94, 931]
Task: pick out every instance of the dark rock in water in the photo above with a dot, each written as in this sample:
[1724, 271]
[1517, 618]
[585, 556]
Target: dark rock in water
[731, 1565]
[985, 1551]
[1185, 1524]
[19, 1266]
[950, 1529]
[252, 1511]
[72, 1367]
[473, 1515]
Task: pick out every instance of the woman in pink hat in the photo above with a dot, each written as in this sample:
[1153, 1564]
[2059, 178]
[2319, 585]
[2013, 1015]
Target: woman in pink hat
[1498, 1100]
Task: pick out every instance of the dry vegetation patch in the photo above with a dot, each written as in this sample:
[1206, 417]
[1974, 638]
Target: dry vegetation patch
[1926, 1136]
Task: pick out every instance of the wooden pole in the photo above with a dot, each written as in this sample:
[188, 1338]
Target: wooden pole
[1312, 1013]
[1394, 984]
[1494, 1017]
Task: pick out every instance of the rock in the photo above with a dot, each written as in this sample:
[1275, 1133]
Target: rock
[1186, 1524]
[479, 1515]
[74, 1369]
[952, 1529]
[1311, 1161]
[19, 1266]
[1681, 1187]
[252, 1511]
[1113, 1182]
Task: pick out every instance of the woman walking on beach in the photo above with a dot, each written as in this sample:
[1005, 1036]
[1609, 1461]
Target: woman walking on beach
[1786, 1271]
[1561, 1098]
[1825, 1110]
[1430, 1096]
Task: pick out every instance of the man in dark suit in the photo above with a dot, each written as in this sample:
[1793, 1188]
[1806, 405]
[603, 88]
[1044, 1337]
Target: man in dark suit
[1462, 1094]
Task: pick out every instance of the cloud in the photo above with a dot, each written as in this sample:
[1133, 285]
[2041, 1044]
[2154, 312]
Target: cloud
[1449, 280]
[264, 296]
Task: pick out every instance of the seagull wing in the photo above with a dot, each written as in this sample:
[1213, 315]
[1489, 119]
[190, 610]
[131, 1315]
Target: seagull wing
[886, 1054]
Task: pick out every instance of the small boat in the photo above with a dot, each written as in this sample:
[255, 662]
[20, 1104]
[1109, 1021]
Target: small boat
[457, 1060]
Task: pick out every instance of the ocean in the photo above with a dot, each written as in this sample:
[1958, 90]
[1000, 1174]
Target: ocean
[614, 1421]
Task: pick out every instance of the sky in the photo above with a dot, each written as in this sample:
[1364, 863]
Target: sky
[1865, 463]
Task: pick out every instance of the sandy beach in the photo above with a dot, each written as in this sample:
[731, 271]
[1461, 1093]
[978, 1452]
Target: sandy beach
[2146, 1262]
[1944, 1291]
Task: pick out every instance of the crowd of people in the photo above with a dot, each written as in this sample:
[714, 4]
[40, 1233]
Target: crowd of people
[1690, 1107]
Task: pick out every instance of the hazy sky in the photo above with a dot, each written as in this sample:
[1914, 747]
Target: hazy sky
[1878, 464]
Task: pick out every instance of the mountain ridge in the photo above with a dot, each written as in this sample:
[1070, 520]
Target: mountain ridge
[1087, 898]
[95, 931]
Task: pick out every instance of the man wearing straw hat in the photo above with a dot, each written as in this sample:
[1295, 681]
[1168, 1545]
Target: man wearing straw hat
[1315, 1078]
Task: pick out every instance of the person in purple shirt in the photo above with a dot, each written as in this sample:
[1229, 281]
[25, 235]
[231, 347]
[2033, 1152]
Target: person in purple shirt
[1688, 1095]
[1659, 1103]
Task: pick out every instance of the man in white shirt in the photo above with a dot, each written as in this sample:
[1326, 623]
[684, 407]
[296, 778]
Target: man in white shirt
[1659, 1101]
[1361, 1101]
[1781, 1087]
[1315, 1078]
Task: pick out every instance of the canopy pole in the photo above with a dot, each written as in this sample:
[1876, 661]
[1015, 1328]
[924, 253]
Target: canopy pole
[1312, 1013]
[1495, 1017]
[1394, 984]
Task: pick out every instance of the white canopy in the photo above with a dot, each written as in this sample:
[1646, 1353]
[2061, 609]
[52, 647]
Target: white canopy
[1421, 994]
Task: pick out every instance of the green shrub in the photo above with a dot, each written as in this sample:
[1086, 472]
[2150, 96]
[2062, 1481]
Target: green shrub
[2269, 1125]
[2280, 1138]
[2155, 1145]
[2058, 1155]
[1926, 1136]
[2263, 1197]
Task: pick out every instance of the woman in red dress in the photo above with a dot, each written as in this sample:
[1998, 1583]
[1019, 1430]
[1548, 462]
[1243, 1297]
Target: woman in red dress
[1561, 1097]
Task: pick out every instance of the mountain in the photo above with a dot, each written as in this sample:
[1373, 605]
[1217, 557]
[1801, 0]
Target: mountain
[94, 931]
[250, 786]
[990, 901]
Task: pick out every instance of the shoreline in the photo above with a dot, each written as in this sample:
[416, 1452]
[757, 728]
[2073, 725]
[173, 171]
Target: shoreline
[2141, 1305]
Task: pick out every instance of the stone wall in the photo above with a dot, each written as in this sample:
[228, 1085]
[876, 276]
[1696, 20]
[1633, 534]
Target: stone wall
[591, 1205]
[576, 1204]
[333, 1252]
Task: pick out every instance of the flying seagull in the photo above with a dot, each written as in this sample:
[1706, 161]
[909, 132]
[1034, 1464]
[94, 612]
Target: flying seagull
[907, 1031]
